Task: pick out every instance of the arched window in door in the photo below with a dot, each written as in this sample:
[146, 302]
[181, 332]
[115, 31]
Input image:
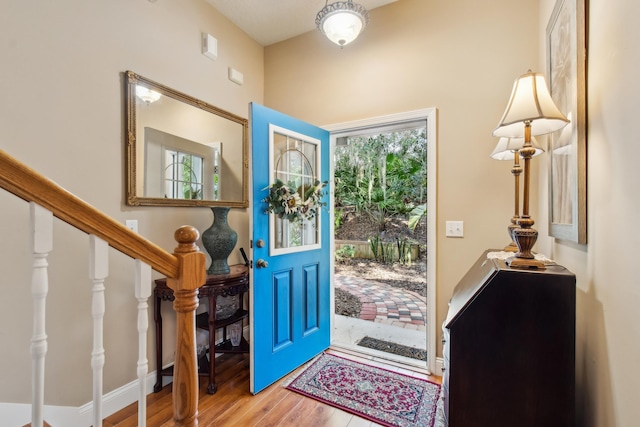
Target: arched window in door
[295, 164]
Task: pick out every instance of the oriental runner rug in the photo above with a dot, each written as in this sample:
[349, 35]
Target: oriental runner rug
[385, 397]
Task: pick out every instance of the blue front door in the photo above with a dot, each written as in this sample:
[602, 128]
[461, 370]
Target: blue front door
[290, 307]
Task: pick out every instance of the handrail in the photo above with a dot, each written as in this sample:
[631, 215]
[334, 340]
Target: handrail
[185, 268]
[31, 186]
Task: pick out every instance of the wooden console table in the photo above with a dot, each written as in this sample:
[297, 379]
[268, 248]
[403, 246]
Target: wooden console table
[236, 282]
[504, 329]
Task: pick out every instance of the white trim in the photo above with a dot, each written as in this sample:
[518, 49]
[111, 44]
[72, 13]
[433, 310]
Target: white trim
[358, 125]
[273, 251]
[19, 414]
[439, 366]
[430, 115]
[432, 143]
[332, 240]
[69, 416]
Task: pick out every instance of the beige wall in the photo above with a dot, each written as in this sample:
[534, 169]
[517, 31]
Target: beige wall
[61, 112]
[608, 297]
[460, 57]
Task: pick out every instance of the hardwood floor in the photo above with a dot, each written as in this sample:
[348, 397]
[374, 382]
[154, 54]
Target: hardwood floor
[234, 405]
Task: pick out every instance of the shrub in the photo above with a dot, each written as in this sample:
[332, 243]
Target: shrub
[347, 251]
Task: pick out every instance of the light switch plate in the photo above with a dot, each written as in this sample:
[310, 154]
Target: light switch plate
[132, 224]
[455, 229]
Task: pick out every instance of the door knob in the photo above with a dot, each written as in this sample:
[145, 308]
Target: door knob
[260, 243]
[262, 263]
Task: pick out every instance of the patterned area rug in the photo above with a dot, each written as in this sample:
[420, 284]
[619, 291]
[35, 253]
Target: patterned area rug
[382, 396]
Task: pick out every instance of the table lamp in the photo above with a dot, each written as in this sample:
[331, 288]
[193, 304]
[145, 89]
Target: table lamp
[508, 149]
[530, 111]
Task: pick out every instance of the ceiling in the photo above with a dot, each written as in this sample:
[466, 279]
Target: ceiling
[272, 21]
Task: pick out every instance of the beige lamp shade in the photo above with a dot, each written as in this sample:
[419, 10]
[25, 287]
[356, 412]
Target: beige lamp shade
[506, 146]
[531, 102]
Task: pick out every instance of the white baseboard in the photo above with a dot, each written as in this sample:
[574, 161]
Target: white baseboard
[439, 366]
[15, 414]
[19, 414]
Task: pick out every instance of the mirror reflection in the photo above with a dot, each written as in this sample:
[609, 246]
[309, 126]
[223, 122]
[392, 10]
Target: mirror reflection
[182, 151]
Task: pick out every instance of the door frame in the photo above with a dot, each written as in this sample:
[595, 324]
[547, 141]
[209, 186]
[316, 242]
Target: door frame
[342, 129]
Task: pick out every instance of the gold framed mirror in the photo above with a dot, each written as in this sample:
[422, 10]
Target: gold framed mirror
[182, 151]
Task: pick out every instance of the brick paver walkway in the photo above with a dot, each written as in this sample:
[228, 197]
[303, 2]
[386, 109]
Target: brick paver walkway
[383, 303]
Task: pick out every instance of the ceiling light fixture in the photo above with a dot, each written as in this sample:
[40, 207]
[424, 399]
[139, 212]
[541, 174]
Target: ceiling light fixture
[342, 21]
[147, 95]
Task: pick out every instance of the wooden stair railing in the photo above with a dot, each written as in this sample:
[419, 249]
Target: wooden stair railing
[185, 269]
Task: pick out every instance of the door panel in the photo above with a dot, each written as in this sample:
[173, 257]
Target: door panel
[312, 299]
[282, 309]
[289, 303]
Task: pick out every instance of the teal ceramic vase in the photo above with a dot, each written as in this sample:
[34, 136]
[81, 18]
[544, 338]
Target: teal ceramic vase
[219, 240]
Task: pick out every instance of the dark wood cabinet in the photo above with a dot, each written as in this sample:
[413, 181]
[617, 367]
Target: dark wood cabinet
[235, 283]
[509, 347]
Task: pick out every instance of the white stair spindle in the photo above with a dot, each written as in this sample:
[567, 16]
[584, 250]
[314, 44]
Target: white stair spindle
[98, 271]
[42, 243]
[143, 292]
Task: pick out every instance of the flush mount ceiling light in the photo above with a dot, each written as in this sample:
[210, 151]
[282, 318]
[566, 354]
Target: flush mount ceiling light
[342, 21]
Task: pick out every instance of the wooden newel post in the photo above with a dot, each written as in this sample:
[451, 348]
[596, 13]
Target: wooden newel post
[191, 275]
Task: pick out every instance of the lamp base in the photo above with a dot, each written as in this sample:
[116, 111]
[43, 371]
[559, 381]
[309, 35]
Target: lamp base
[525, 263]
[525, 237]
[511, 247]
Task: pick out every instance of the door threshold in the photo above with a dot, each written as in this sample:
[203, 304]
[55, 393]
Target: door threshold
[348, 331]
[381, 357]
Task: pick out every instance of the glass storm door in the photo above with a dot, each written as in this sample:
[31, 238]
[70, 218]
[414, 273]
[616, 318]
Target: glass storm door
[290, 307]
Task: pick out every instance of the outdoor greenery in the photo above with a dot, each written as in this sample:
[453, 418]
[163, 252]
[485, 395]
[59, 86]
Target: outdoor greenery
[386, 251]
[382, 175]
[416, 215]
[347, 251]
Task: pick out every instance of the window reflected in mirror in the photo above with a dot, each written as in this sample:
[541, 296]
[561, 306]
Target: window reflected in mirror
[182, 175]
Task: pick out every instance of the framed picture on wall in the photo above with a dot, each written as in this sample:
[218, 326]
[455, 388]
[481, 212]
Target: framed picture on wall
[566, 61]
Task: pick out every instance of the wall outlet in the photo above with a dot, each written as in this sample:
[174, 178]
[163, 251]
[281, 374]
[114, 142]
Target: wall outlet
[132, 224]
[455, 229]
